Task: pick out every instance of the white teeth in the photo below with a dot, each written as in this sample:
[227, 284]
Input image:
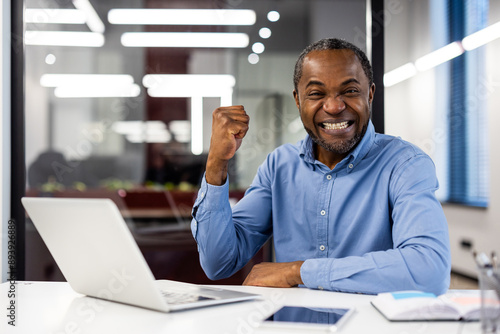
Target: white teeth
[336, 126]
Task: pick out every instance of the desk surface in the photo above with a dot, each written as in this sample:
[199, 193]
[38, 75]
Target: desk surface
[53, 307]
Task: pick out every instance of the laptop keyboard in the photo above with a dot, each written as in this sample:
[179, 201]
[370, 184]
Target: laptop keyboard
[176, 298]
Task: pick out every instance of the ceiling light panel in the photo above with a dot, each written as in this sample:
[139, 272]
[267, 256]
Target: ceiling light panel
[439, 56]
[56, 80]
[132, 90]
[64, 38]
[188, 85]
[91, 85]
[53, 16]
[399, 74]
[185, 39]
[482, 37]
[242, 17]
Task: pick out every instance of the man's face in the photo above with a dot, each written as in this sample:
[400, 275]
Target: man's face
[334, 99]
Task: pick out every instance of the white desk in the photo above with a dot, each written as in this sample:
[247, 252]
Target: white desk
[53, 307]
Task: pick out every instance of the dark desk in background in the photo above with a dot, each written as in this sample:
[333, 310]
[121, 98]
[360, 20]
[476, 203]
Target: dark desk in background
[160, 223]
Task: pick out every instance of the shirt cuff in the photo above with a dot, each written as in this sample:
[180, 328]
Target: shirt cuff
[212, 197]
[315, 274]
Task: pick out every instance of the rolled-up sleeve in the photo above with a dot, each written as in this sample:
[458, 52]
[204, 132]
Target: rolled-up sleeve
[228, 237]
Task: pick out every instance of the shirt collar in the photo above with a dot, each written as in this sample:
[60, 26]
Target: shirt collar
[306, 150]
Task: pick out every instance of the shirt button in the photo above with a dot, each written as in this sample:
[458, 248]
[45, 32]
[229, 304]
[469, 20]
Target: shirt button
[202, 193]
[351, 165]
[323, 212]
[322, 247]
[329, 177]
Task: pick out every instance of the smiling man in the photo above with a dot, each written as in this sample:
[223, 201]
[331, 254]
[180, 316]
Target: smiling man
[334, 96]
[349, 209]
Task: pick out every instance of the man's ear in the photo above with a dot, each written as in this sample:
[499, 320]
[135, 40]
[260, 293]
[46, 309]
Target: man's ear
[296, 97]
[371, 94]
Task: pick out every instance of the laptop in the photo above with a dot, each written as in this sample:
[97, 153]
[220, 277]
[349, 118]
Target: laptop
[99, 257]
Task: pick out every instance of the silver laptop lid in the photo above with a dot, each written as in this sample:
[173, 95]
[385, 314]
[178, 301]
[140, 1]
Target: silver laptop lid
[95, 250]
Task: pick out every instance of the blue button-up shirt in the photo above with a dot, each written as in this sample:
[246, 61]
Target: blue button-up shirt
[372, 224]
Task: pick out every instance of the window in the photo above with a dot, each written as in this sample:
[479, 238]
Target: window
[468, 175]
[440, 88]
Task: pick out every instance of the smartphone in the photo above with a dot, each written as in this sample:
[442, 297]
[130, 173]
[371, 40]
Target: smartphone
[327, 320]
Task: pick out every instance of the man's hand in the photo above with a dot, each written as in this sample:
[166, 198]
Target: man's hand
[229, 126]
[277, 275]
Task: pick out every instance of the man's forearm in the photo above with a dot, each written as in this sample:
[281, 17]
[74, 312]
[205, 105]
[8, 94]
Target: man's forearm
[278, 275]
[216, 172]
[409, 268]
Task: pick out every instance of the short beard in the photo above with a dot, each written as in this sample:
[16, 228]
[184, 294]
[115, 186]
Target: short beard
[342, 147]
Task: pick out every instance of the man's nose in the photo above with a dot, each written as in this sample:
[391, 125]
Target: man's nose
[334, 105]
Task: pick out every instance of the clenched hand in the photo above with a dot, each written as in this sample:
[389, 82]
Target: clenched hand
[229, 126]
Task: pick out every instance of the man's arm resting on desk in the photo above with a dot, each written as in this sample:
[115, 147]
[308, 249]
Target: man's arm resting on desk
[352, 274]
[372, 273]
[410, 268]
[276, 275]
[420, 257]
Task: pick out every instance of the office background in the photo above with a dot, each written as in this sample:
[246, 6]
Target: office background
[143, 151]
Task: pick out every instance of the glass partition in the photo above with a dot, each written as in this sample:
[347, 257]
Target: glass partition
[120, 94]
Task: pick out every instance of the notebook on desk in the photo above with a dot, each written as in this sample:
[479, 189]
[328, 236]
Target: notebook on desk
[99, 257]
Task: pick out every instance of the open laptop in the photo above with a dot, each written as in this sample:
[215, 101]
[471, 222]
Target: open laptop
[99, 257]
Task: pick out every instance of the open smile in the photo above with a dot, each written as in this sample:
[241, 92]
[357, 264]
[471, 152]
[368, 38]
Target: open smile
[337, 125]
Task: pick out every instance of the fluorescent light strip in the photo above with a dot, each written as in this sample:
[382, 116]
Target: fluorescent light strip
[179, 126]
[197, 125]
[53, 16]
[226, 99]
[439, 56]
[91, 85]
[165, 91]
[138, 127]
[399, 74]
[139, 131]
[97, 91]
[481, 37]
[181, 130]
[185, 39]
[154, 80]
[64, 38]
[444, 54]
[56, 80]
[163, 137]
[245, 17]
[188, 85]
[93, 20]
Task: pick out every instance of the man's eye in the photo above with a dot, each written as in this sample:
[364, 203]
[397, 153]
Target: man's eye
[351, 91]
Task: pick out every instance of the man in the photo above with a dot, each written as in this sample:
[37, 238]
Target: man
[350, 210]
